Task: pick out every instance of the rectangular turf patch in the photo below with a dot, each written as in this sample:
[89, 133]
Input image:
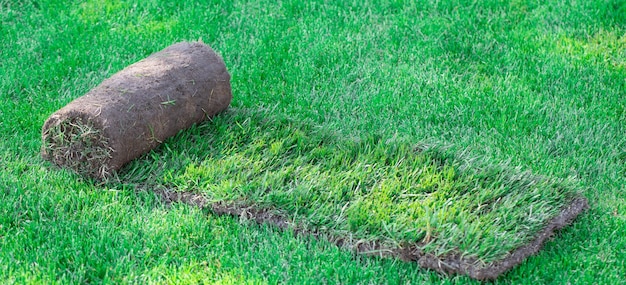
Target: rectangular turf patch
[450, 213]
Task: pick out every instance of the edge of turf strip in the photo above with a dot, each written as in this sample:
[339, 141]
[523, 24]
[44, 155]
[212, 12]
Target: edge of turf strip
[452, 263]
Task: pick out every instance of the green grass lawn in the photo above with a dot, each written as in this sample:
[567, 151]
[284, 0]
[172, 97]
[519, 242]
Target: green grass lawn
[514, 86]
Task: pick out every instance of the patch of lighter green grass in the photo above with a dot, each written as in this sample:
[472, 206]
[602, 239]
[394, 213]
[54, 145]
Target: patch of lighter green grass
[605, 47]
[370, 189]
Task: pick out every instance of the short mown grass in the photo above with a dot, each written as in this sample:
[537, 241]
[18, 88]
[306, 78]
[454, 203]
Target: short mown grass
[528, 87]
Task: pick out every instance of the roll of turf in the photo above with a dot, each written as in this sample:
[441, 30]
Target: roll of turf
[136, 109]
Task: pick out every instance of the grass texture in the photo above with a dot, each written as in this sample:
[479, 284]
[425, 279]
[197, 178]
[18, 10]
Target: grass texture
[524, 85]
[366, 189]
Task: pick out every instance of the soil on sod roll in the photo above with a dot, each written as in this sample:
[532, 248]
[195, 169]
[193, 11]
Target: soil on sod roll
[137, 108]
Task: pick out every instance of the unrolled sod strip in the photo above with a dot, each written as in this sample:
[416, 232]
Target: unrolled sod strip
[136, 109]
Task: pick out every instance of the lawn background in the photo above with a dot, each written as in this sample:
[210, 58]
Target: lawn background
[536, 84]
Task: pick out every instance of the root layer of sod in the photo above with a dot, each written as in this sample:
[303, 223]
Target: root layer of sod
[450, 213]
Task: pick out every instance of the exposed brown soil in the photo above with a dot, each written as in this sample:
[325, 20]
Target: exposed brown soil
[450, 264]
[136, 109]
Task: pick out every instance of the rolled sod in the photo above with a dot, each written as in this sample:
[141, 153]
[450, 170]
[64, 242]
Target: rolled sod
[136, 109]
